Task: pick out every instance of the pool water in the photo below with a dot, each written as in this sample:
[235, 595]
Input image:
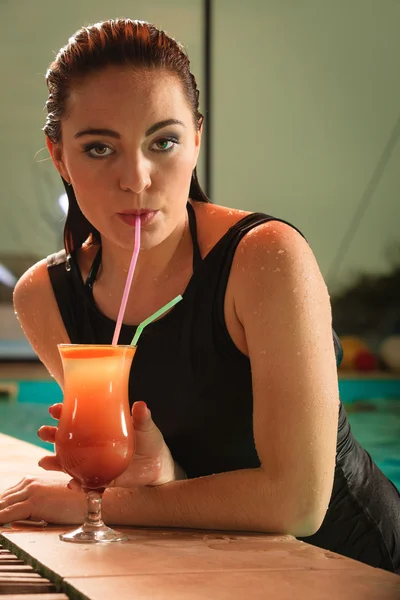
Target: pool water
[22, 420]
[376, 426]
[22, 416]
[375, 423]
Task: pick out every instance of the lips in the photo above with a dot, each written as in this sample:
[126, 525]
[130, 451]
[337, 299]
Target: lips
[129, 216]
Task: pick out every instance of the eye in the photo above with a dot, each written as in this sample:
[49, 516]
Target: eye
[165, 144]
[96, 150]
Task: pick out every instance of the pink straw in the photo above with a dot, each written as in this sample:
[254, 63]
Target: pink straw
[128, 282]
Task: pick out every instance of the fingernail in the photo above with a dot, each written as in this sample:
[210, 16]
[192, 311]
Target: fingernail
[140, 402]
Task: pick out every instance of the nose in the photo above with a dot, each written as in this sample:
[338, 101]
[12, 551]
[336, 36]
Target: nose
[135, 174]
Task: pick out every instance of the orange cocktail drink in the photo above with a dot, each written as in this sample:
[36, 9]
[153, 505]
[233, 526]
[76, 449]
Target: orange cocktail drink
[95, 438]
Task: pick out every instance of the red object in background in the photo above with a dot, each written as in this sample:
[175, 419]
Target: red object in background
[365, 361]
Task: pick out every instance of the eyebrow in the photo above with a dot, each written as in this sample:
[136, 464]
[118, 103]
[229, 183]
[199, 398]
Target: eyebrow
[116, 135]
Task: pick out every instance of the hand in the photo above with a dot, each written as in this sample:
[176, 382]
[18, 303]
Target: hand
[152, 463]
[42, 500]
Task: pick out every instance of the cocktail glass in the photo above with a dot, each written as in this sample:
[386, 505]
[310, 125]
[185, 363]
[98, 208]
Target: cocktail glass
[95, 437]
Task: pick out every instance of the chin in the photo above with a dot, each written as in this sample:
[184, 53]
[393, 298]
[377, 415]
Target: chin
[148, 240]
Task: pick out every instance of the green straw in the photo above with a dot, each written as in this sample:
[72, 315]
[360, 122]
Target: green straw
[157, 314]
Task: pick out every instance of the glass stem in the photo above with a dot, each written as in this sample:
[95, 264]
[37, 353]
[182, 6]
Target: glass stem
[93, 509]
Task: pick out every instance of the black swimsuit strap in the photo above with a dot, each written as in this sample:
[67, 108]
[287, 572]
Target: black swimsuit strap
[197, 260]
[91, 278]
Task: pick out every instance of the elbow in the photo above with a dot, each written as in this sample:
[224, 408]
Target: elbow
[303, 515]
[306, 526]
[303, 527]
[290, 522]
[297, 508]
[307, 515]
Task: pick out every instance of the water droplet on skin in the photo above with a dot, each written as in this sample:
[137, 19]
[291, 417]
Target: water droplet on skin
[213, 212]
[276, 270]
[230, 213]
[281, 251]
[263, 352]
[294, 290]
[262, 268]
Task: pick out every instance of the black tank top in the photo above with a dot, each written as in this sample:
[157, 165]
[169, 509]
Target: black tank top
[198, 387]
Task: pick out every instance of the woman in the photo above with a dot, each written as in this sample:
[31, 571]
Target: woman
[240, 376]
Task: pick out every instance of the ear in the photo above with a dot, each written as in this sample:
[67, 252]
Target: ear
[55, 152]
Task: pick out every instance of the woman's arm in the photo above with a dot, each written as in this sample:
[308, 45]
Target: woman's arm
[282, 303]
[39, 317]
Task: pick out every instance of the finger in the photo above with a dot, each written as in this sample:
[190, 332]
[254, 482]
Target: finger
[47, 433]
[148, 437]
[17, 487]
[75, 486]
[141, 417]
[50, 463]
[55, 410]
[14, 498]
[16, 512]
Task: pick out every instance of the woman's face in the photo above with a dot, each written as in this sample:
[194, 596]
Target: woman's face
[129, 145]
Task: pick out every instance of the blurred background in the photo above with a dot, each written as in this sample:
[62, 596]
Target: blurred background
[302, 107]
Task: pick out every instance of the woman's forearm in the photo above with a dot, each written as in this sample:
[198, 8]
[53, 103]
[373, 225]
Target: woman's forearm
[237, 500]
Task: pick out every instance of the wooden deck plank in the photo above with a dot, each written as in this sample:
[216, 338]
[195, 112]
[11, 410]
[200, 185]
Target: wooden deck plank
[7, 558]
[10, 568]
[45, 596]
[21, 588]
[18, 577]
[171, 551]
[31, 576]
[257, 585]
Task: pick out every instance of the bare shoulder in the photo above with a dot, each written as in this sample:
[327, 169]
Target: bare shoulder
[218, 211]
[39, 317]
[213, 222]
[277, 256]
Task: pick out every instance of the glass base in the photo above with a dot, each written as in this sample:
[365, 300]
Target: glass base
[93, 535]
